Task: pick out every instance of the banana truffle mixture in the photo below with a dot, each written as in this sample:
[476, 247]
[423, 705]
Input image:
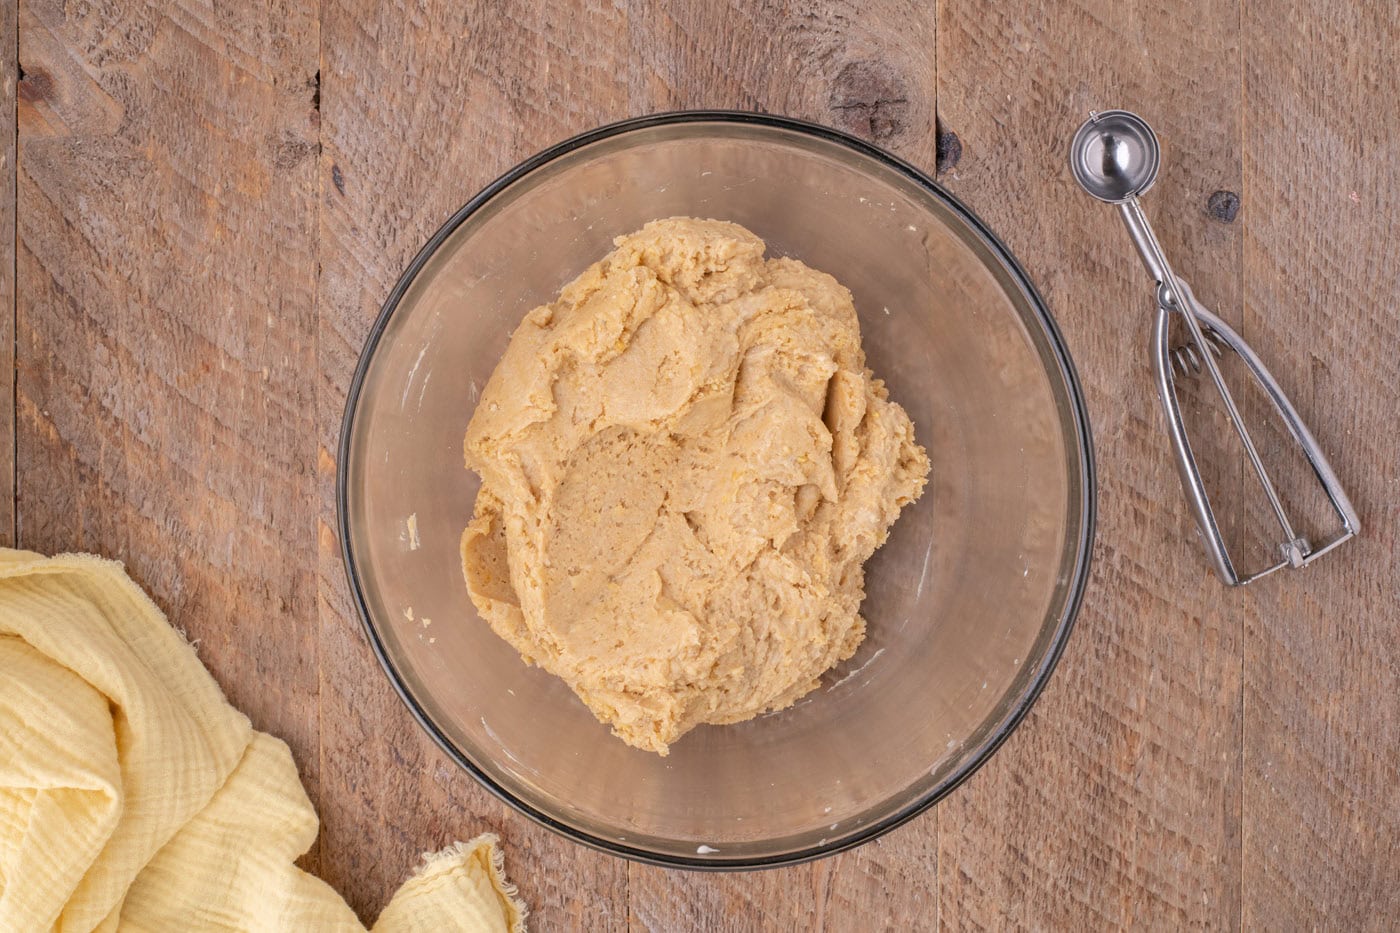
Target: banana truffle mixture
[685, 464]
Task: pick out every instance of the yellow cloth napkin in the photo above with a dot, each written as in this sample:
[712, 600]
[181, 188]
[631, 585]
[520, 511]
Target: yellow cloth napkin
[133, 797]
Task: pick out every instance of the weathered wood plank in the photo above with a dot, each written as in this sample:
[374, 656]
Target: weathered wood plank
[166, 269]
[888, 884]
[9, 73]
[179, 383]
[869, 69]
[420, 109]
[1321, 730]
[1117, 803]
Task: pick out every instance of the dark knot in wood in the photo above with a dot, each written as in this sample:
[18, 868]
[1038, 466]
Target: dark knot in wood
[871, 100]
[947, 151]
[35, 84]
[1224, 206]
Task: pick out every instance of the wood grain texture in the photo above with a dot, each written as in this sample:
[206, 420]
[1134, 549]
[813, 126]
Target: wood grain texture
[865, 67]
[421, 108]
[9, 75]
[1322, 655]
[889, 884]
[166, 269]
[1117, 802]
[210, 203]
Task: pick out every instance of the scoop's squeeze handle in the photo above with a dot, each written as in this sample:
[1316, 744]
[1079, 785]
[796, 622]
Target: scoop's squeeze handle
[1143, 237]
[1294, 551]
[1191, 483]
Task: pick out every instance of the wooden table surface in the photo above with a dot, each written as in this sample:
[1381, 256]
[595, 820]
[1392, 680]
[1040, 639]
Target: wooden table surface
[207, 204]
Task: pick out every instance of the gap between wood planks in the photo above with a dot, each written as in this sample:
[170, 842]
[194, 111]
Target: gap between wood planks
[13, 75]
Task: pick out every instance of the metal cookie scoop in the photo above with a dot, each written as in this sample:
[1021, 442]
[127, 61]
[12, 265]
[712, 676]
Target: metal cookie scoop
[1115, 157]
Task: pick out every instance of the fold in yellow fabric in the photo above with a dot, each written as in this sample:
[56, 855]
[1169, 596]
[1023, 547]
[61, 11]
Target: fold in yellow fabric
[134, 797]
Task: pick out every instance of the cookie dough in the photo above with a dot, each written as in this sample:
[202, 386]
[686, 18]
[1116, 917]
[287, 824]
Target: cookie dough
[684, 465]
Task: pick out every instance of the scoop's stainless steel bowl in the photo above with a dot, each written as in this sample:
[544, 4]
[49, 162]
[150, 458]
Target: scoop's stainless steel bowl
[1115, 156]
[969, 602]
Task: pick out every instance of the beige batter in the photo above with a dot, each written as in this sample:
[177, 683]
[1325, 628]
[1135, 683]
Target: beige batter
[685, 464]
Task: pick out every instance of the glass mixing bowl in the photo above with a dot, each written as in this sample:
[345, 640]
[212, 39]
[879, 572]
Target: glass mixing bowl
[969, 602]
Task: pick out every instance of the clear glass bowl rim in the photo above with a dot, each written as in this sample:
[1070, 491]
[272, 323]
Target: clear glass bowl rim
[1066, 371]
